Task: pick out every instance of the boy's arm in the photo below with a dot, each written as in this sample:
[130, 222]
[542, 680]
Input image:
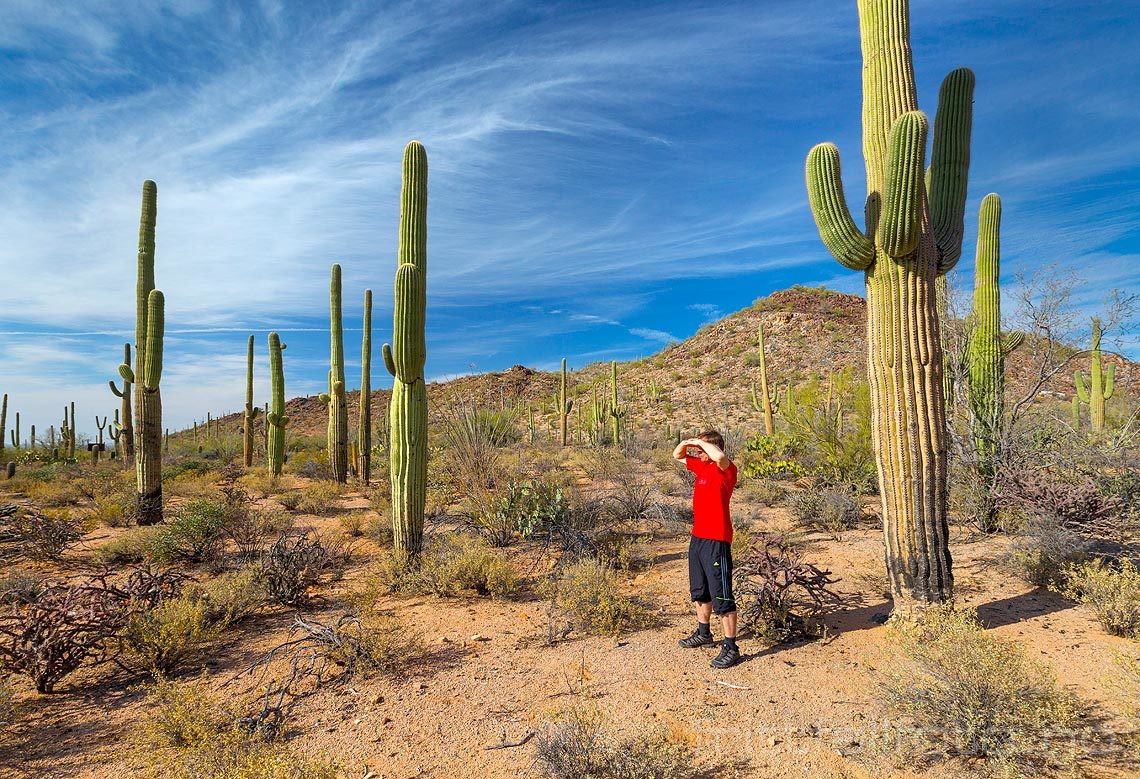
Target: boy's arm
[715, 453]
[679, 452]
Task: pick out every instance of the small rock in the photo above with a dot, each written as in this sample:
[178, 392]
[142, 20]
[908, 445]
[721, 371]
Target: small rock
[773, 741]
[480, 637]
[377, 699]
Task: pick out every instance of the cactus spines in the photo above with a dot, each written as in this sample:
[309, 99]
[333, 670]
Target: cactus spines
[405, 358]
[564, 403]
[364, 424]
[335, 397]
[275, 419]
[986, 354]
[902, 254]
[250, 408]
[1100, 387]
[125, 437]
[764, 403]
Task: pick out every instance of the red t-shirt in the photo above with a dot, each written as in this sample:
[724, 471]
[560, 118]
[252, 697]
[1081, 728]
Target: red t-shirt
[711, 494]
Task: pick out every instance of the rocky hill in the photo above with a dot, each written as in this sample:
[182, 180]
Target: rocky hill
[705, 379]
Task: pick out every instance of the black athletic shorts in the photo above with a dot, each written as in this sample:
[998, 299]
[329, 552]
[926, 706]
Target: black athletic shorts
[710, 574]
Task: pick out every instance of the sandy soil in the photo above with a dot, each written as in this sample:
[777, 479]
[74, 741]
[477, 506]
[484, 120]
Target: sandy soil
[804, 709]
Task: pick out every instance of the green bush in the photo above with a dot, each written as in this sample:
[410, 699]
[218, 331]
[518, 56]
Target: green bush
[131, 547]
[961, 693]
[194, 535]
[448, 566]
[173, 632]
[832, 510]
[1113, 591]
[231, 597]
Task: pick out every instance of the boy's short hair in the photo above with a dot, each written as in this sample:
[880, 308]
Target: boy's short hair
[713, 437]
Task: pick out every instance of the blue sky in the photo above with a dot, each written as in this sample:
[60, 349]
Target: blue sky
[603, 176]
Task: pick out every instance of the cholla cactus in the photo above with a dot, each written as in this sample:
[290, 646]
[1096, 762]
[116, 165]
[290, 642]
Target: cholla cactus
[912, 237]
[405, 358]
[1101, 385]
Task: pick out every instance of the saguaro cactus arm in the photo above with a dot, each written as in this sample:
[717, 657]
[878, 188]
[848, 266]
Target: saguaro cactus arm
[155, 320]
[840, 235]
[950, 164]
[1109, 380]
[386, 354]
[1082, 390]
[900, 222]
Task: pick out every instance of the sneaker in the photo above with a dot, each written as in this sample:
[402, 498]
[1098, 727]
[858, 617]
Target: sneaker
[696, 640]
[728, 657]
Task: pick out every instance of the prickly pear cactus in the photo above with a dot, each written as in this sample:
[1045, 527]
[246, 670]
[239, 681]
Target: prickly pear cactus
[912, 237]
[405, 358]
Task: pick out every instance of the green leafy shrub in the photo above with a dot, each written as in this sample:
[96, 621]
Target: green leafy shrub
[521, 508]
[129, 548]
[170, 634]
[231, 597]
[579, 744]
[1113, 591]
[194, 535]
[962, 693]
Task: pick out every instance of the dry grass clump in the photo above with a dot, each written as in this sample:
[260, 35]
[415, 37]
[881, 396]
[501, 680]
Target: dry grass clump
[580, 744]
[832, 510]
[189, 735]
[129, 548]
[590, 594]
[767, 492]
[169, 635]
[8, 710]
[449, 565]
[231, 597]
[962, 694]
[1113, 591]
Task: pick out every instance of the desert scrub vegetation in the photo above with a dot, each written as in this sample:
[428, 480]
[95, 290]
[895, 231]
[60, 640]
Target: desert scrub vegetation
[780, 596]
[297, 562]
[581, 744]
[38, 535]
[129, 548]
[1113, 592]
[766, 492]
[194, 535]
[589, 596]
[190, 735]
[832, 510]
[962, 694]
[174, 632]
[449, 565]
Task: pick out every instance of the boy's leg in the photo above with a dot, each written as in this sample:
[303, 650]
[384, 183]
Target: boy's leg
[702, 598]
[724, 605]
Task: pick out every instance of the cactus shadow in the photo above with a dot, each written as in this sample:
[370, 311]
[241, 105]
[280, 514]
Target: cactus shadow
[1018, 608]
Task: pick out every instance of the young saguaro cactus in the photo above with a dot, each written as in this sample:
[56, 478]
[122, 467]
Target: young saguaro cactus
[564, 403]
[125, 437]
[617, 414]
[1101, 385]
[335, 398]
[149, 322]
[405, 358]
[250, 409]
[275, 420]
[3, 420]
[364, 424]
[763, 402]
[912, 237]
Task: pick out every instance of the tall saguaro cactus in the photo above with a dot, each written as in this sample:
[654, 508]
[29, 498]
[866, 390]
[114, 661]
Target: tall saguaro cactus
[912, 237]
[1101, 385]
[275, 419]
[616, 413]
[763, 402]
[125, 437]
[364, 424]
[405, 357]
[250, 408]
[335, 397]
[149, 325]
[564, 403]
[3, 420]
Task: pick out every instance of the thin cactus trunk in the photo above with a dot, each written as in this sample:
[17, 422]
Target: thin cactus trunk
[125, 439]
[564, 404]
[911, 238]
[3, 420]
[250, 408]
[335, 397]
[765, 396]
[364, 424]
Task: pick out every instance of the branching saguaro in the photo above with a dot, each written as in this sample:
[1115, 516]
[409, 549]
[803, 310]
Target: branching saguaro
[1101, 384]
[125, 438]
[405, 357]
[912, 237]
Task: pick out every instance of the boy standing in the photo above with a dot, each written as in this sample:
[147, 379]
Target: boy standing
[710, 548]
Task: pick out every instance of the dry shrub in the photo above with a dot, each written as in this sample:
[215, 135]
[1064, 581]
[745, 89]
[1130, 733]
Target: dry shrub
[353, 523]
[963, 694]
[319, 497]
[20, 587]
[189, 735]
[260, 483]
[231, 597]
[190, 485]
[590, 594]
[63, 492]
[114, 509]
[8, 709]
[766, 492]
[1044, 548]
[297, 562]
[832, 510]
[131, 547]
[580, 744]
[449, 565]
[172, 633]
[1113, 592]
[780, 596]
[40, 535]
[249, 527]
